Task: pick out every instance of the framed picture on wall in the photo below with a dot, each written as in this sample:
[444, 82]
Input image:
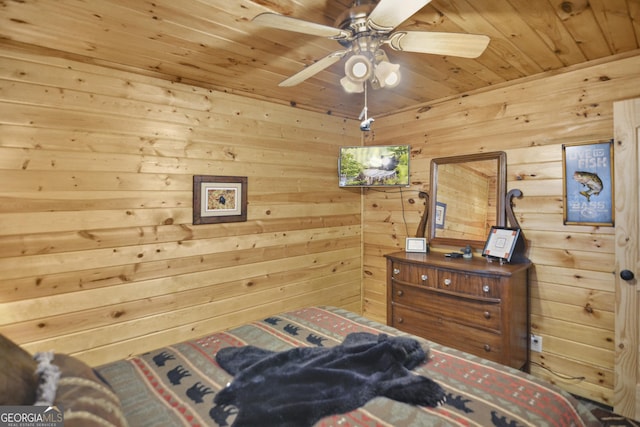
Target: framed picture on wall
[219, 199]
[588, 184]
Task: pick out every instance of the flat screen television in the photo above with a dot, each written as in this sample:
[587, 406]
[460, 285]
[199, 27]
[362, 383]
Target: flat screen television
[374, 166]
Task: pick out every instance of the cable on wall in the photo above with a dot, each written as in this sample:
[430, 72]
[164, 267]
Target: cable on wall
[564, 377]
[404, 218]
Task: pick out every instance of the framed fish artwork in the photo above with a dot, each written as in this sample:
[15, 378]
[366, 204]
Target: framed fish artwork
[219, 199]
[588, 183]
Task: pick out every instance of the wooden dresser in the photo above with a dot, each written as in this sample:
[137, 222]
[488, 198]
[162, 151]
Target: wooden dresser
[471, 305]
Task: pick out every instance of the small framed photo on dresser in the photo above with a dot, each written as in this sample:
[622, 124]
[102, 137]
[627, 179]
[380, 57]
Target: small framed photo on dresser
[416, 244]
[501, 243]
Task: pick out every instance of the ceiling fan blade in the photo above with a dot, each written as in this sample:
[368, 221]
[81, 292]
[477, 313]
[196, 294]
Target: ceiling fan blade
[388, 14]
[451, 44]
[287, 23]
[314, 68]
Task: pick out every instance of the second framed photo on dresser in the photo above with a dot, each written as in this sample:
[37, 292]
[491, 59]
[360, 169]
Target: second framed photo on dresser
[502, 243]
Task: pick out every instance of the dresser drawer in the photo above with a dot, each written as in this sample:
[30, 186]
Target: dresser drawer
[470, 284]
[418, 275]
[482, 314]
[466, 338]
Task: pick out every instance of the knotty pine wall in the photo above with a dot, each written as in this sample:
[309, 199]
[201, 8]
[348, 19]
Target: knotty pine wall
[572, 282]
[98, 254]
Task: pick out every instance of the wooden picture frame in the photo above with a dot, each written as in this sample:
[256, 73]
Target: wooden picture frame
[219, 199]
[587, 174]
[501, 243]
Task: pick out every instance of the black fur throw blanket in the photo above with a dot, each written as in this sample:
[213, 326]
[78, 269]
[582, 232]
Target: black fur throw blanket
[300, 386]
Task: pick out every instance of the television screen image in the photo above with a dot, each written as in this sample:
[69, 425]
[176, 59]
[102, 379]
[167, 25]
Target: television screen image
[374, 166]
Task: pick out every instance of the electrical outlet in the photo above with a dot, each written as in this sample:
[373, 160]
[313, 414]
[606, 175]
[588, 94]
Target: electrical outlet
[536, 343]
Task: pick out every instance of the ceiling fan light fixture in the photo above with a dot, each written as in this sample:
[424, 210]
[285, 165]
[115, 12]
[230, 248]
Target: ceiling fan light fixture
[350, 86]
[362, 29]
[387, 74]
[358, 68]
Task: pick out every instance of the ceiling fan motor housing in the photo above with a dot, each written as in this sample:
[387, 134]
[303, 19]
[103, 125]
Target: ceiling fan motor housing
[354, 20]
[357, 12]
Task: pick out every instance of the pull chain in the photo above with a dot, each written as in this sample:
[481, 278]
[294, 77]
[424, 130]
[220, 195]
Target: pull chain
[365, 124]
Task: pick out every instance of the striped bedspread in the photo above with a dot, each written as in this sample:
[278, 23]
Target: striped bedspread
[175, 385]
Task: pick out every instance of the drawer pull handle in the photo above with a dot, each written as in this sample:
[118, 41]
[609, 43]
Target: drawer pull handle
[486, 289]
[487, 348]
[424, 277]
[400, 293]
[447, 282]
[396, 271]
[487, 315]
[400, 320]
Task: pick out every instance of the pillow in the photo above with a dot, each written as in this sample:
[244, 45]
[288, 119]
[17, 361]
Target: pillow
[86, 399]
[18, 379]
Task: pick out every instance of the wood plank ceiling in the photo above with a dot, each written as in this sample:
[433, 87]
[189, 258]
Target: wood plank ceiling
[214, 44]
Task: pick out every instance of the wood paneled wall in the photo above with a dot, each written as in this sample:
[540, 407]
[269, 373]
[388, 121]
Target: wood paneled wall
[572, 283]
[98, 254]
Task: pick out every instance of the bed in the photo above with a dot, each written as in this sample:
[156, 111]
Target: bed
[176, 385]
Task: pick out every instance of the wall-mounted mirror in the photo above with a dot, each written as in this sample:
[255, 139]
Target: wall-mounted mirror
[467, 198]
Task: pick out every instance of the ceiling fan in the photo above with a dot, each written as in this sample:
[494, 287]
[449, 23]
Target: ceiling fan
[362, 30]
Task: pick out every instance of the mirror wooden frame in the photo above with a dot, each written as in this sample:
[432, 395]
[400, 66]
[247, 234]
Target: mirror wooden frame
[501, 186]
